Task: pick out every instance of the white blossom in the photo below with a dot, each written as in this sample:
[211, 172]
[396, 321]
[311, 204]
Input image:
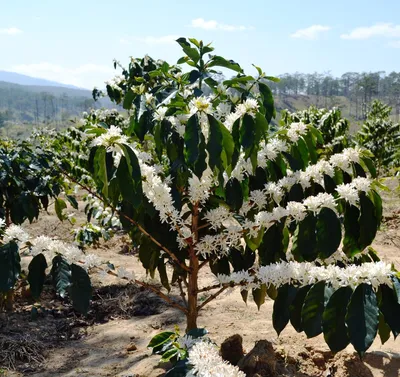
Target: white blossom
[348, 193]
[206, 362]
[295, 131]
[15, 233]
[110, 138]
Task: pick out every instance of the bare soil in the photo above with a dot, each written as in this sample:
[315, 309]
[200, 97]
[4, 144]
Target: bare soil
[112, 340]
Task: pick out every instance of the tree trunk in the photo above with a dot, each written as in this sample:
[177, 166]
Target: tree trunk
[191, 317]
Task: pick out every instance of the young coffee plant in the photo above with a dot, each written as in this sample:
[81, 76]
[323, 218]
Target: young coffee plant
[381, 136]
[29, 180]
[201, 182]
[334, 128]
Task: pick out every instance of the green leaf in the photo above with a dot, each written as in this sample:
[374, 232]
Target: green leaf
[59, 206]
[362, 318]
[61, 275]
[390, 309]
[368, 222]
[10, 267]
[234, 194]
[313, 308]
[259, 295]
[134, 174]
[162, 270]
[128, 99]
[281, 313]
[37, 274]
[80, 289]
[305, 240]
[219, 61]
[383, 329]
[248, 134]
[197, 333]
[192, 140]
[271, 249]
[160, 339]
[396, 287]
[334, 319]
[295, 308]
[329, 233]
[215, 143]
[351, 230]
[268, 101]
[100, 170]
[370, 165]
[179, 370]
[188, 50]
[167, 356]
[72, 200]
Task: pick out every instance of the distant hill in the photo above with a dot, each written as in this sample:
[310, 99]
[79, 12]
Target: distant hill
[17, 78]
[25, 106]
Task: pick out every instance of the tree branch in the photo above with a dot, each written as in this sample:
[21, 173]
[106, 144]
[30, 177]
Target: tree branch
[133, 222]
[209, 288]
[212, 297]
[162, 295]
[182, 292]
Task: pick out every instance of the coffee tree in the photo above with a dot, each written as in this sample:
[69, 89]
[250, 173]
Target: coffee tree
[381, 136]
[30, 178]
[201, 182]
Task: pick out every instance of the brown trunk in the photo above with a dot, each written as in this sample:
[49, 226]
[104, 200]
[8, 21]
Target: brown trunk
[8, 217]
[191, 317]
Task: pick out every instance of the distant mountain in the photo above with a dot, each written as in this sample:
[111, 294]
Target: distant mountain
[17, 78]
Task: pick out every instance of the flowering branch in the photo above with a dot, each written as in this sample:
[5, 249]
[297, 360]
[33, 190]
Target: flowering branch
[170, 253]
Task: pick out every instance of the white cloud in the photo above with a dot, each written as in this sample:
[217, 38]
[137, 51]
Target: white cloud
[310, 33]
[386, 30]
[84, 76]
[201, 23]
[150, 40]
[10, 31]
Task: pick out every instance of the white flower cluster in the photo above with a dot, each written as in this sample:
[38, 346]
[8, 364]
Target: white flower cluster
[15, 233]
[296, 130]
[199, 189]
[249, 106]
[206, 362]
[50, 247]
[187, 341]
[2, 223]
[302, 274]
[110, 138]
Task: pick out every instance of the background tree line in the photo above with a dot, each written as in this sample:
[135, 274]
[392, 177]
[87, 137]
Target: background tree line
[356, 89]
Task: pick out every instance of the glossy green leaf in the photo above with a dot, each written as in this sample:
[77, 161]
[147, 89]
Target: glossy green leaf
[61, 275]
[313, 308]
[281, 311]
[215, 143]
[383, 329]
[10, 267]
[80, 289]
[305, 240]
[234, 194]
[259, 295]
[334, 319]
[59, 206]
[362, 318]
[390, 309]
[329, 233]
[295, 308]
[37, 274]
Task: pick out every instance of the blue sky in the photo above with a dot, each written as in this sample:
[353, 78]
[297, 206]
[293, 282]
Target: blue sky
[75, 42]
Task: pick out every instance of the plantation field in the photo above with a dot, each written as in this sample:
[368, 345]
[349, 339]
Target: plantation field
[112, 340]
